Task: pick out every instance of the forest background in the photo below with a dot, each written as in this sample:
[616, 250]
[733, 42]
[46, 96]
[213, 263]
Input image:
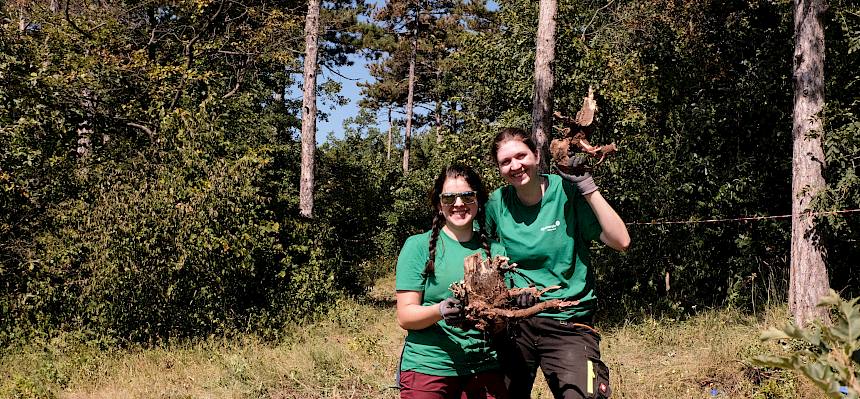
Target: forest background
[150, 154]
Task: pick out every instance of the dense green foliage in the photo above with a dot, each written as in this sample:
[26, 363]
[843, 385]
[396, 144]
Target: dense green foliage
[149, 171]
[698, 96]
[149, 161]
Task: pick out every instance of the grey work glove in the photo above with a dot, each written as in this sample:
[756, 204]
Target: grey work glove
[582, 181]
[451, 310]
[526, 300]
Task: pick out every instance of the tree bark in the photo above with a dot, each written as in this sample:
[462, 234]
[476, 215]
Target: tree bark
[407, 140]
[438, 114]
[390, 133]
[452, 117]
[808, 274]
[438, 110]
[309, 110]
[542, 101]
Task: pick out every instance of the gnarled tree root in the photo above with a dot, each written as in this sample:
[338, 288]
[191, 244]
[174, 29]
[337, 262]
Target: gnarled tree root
[488, 304]
[495, 312]
[572, 138]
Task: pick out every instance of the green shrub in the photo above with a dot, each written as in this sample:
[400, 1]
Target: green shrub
[829, 355]
[190, 240]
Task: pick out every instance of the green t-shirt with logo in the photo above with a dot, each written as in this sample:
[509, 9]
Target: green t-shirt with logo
[549, 242]
[441, 350]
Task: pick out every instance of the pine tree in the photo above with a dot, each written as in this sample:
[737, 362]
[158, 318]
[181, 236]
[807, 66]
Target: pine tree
[808, 280]
[542, 100]
[309, 110]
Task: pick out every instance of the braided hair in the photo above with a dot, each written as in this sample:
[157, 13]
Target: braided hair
[452, 172]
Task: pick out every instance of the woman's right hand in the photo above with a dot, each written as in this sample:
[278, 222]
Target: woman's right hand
[451, 310]
[411, 315]
[584, 182]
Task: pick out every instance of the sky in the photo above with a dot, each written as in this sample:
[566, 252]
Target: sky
[349, 89]
[355, 73]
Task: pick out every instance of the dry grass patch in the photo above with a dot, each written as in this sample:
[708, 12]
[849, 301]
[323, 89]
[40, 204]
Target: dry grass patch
[351, 355]
[697, 358]
[354, 351]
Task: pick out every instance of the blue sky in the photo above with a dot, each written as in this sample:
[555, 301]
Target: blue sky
[350, 90]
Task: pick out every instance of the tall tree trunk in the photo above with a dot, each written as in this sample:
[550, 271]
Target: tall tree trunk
[390, 133]
[808, 274]
[85, 129]
[407, 141]
[438, 110]
[544, 57]
[438, 114]
[452, 116]
[309, 110]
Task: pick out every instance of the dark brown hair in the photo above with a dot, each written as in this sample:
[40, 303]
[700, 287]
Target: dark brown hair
[474, 181]
[510, 133]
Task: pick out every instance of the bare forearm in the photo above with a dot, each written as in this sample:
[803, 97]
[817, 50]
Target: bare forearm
[614, 233]
[417, 317]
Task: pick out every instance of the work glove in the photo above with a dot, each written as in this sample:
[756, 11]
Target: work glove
[583, 181]
[451, 310]
[526, 300]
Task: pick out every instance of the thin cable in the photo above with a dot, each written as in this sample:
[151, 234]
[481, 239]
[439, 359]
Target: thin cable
[740, 219]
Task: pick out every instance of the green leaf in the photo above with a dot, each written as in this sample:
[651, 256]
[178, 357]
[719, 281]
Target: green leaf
[830, 299]
[774, 361]
[852, 314]
[773, 333]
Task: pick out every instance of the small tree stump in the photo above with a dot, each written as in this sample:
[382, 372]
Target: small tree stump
[489, 305]
[573, 138]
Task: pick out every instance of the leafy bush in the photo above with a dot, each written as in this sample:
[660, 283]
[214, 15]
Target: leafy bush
[148, 183]
[829, 355]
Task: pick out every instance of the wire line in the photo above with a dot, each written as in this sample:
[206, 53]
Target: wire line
[740, 219]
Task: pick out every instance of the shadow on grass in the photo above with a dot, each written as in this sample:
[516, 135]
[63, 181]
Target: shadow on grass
[379, 303]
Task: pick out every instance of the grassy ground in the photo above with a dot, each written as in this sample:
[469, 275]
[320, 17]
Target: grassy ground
[354, 352]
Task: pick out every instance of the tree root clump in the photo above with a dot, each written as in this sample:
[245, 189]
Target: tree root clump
[489, 305]
[572, 139]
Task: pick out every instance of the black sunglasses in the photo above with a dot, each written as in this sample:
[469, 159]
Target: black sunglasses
[468, 197]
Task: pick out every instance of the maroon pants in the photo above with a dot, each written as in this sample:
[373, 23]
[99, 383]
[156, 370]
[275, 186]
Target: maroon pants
[486, 385]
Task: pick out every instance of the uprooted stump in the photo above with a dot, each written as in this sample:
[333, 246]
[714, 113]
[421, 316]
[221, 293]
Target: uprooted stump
[489, 305]
[572, 138]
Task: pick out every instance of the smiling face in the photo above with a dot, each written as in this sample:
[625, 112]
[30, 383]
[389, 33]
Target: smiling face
[517, 162]
[458, 215]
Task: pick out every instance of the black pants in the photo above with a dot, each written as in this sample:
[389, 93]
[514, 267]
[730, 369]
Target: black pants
[568, 353]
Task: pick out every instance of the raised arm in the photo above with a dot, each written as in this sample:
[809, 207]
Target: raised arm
[614, 233]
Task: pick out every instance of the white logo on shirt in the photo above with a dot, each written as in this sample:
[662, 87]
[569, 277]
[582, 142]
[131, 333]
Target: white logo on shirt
[551, 227]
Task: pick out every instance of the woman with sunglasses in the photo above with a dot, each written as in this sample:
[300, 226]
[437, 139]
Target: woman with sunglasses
[441, 361]
[546, 223]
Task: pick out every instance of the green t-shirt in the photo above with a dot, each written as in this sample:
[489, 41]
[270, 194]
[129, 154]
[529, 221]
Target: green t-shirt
[549, 242]
[441, 350]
